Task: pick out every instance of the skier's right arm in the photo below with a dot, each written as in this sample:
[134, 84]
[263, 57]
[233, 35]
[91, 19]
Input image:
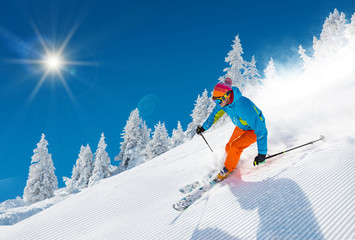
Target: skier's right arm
[216, 114]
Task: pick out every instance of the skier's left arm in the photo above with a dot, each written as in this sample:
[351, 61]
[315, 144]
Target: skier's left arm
[216, 114]
[255, 119]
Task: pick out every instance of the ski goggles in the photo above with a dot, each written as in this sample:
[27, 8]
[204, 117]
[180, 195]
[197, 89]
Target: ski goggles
[219, 100]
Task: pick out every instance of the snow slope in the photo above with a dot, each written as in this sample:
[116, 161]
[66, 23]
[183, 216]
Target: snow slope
[305, 194]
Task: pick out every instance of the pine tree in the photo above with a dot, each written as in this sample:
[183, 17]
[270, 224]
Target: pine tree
[178, 136]
[270, 70]
[251, 75]
[136, 135]
[352, 25]
[334, 25]
[82, 171]
[199, 114]
[332, 36]
[42, 181]
[159, 144]
[243, 74]
[303, 56]
[86, 167]
[237, 64]
[101, 163]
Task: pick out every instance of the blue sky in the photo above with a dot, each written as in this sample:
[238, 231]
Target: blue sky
[124, 54]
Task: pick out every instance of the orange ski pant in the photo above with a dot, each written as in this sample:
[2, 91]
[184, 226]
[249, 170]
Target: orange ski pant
[239, 140]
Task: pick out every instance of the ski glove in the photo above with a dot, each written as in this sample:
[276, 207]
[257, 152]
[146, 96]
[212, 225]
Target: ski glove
[260, 159]
[200, 129]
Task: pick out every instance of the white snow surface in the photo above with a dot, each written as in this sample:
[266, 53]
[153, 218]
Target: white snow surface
[304, 194]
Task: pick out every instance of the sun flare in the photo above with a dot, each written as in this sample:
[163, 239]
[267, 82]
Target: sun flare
[53, 62]
[50, 61]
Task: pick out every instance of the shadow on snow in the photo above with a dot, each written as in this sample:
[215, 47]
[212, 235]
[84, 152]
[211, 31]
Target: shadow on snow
[283, 208]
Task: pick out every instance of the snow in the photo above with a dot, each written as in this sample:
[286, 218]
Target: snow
[13, 211]
[303, 194]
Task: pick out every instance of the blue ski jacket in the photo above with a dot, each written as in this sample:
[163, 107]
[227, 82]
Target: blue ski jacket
[243, 114]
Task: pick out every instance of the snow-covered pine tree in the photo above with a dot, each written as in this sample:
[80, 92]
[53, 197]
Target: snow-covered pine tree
[101, 163]
[352, 25]
[86, 168]
[178, 137]
[270, 70]
[336, 33]
[303, 56]
[145, 137]
[199, 114]
[159, 144]
[135, 136]
[237, 64]
[251, 75]
[243, 74]
[82, 170]
[332, 37]
[42, 181]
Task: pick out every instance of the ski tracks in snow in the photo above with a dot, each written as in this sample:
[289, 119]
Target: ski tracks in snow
[298, 196]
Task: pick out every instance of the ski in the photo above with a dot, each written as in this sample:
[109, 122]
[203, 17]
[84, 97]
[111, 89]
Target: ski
[190, 187]
[199, 183]
[187, 201]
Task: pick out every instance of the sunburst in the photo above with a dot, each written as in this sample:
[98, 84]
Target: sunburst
[51, 61]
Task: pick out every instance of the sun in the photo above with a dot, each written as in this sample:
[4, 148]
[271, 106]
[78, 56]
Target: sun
[53, 62]
[50, 61]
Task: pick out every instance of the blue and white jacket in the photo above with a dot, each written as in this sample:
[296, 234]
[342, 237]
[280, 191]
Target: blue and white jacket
[245, 115]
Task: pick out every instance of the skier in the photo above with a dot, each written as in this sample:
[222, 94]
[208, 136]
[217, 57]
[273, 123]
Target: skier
[249, 121]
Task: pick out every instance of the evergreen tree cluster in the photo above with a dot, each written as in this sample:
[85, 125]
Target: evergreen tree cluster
[88, 170]
[82, 171]
[136, 136]
[138, 146]
[336, 33]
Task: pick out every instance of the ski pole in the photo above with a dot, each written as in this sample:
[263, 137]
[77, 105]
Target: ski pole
[206, 142]
[274, 155]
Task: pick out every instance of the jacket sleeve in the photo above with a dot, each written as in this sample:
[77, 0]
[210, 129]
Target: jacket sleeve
[216, 114]
[255, 119]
